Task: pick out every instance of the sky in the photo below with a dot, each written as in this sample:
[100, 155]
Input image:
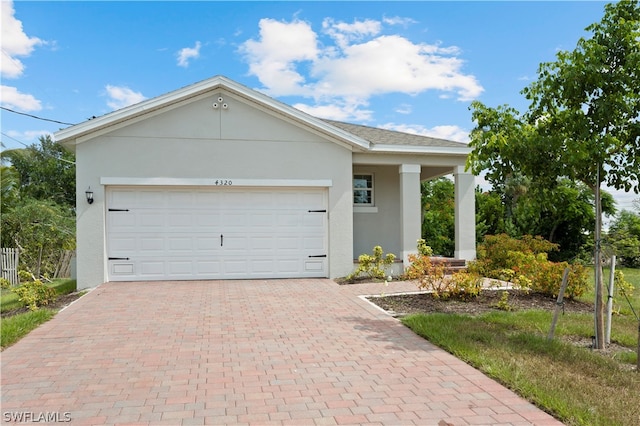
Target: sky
[408, 66]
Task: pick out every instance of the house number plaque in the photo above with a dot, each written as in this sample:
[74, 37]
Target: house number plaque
[223, 182]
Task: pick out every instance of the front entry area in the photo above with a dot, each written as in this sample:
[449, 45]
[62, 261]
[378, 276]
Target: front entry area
[217, 232]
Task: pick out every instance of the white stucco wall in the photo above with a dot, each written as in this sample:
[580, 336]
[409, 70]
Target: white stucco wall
[196, 141]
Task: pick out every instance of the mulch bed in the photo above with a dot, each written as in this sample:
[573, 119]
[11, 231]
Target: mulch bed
[488, 300]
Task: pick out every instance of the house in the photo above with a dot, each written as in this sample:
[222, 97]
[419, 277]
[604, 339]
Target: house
[218, 181]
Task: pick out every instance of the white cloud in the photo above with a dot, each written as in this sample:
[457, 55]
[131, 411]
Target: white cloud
[356, 61]
[28, 136]
[399, 20]
[13, 99]
[344, 33]
[275, 56]
[404, 109]
[339, 111]
[188, 53]
[452, 133]
[122, 96]
[14, 42]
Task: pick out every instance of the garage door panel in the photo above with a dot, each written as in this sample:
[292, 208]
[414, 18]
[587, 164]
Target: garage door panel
[180, 219]
[152, 244]
[208, 268]
[288, 243]
[313, 243]
[150, 221]
[120, 243]
[152, 268]
[180, 244]
[215, 233]
[180, 268]
[207, 219]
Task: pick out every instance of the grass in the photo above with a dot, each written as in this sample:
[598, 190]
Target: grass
[575, 384]
[9, 300]
[620, 304]
[15, 327]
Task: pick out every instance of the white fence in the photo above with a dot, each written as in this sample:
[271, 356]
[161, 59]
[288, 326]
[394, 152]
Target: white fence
[10, 265]
[10, 257]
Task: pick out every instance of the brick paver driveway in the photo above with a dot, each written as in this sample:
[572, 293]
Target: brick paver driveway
[244, 352]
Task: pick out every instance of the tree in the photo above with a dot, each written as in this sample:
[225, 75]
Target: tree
[624, 237]
[438, 214]
[46, 171]
[40, 229]
[583, 122]
[9, 184]
[490, 214]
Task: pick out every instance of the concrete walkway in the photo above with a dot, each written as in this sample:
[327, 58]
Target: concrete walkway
[244, 352]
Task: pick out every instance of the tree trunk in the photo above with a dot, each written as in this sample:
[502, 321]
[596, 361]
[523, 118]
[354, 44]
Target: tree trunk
[599, 305]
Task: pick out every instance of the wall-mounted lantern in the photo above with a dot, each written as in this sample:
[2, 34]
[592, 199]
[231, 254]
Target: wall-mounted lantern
[89, 194]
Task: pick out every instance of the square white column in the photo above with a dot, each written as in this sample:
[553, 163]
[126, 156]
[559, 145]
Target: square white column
[465, 214]
[410, 210]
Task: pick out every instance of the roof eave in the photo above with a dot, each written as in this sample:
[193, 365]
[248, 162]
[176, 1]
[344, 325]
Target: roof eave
[409, 149]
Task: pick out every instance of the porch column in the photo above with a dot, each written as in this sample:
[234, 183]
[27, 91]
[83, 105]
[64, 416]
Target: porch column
[410, 210]
[465, 214]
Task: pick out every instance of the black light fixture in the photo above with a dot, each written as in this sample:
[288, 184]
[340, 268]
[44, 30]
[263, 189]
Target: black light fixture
[89, 194]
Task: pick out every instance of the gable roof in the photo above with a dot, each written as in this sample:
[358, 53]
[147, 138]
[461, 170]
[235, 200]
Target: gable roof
[362, 138]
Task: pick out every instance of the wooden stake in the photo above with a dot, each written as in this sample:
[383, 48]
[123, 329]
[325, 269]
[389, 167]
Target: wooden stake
[556, 313]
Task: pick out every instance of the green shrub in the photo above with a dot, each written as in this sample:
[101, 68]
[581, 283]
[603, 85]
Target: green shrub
[496, 251]
[524, 262]
[34, 294]
[5, 283]
[424, 249]
[373, 266]
[465, 285]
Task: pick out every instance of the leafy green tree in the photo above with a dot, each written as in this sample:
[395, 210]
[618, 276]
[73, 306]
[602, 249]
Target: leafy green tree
[438, 215]
[9, 185]
[40, 229]
[624, 237]
[490, 214]
[46, 171]
[583, 122]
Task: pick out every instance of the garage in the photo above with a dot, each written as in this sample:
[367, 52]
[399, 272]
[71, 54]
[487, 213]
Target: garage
[215, 232]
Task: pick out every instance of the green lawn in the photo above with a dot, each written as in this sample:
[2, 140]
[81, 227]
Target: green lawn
[577, 385]
[15, 327]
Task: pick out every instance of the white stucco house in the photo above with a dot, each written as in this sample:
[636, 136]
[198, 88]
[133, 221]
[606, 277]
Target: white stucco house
[218, 181]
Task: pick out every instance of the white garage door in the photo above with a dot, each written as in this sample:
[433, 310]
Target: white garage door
[169, 233]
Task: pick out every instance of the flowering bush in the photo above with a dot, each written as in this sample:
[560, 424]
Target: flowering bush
[524, 263]
[432, 277]
[34, 294]
[373, 266]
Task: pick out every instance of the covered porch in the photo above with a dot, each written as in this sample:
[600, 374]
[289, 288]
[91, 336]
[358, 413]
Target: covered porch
[387, 203]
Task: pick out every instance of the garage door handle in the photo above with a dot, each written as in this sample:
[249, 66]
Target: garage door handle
[319, 255]
[118, 210]
[221, 240]
[118, 258]
[317, 211]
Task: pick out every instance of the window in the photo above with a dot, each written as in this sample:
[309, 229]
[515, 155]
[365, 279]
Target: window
[363, 189]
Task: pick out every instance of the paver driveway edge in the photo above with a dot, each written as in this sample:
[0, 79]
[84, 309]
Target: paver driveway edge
[300, 351]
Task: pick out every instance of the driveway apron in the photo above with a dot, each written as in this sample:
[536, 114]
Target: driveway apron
[244, 352]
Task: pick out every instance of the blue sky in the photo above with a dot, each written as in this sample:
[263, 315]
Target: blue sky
[408, 66]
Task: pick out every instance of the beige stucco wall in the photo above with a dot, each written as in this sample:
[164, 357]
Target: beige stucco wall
[381, 225]
[196, 141]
